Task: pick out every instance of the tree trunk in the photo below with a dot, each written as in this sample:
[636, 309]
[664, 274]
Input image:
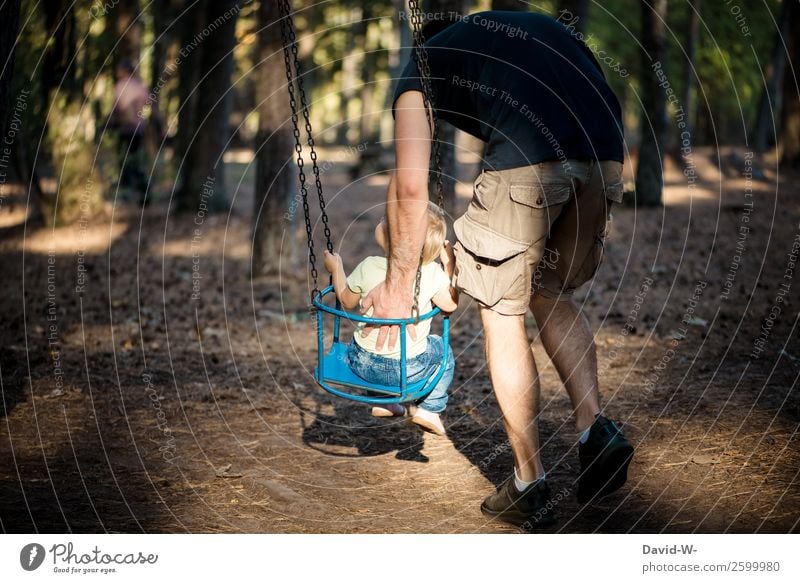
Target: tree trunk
[649, 177]
[9, 24]
[162, 35]
[60, 50]
[129, 32]
[790, 120]
[399, 53]
[368, 132]
[12, 155]
[349, 75]
[274, 148]
[188, 61]
[574, 12]
[203, 168]
[14, 96]
[689, 74]
[769, 102]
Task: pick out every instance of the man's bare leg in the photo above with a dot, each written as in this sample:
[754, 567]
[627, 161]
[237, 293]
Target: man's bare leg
[516, 384]
[568, 340]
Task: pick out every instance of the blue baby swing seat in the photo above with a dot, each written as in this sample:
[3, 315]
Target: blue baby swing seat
[332, 372]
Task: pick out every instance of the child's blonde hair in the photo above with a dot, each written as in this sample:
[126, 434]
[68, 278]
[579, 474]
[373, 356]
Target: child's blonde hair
[434, 236]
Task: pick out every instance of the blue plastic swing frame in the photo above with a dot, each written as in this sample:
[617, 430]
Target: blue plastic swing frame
[332, 368]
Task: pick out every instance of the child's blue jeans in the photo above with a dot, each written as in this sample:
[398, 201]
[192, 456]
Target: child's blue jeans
[378, 369]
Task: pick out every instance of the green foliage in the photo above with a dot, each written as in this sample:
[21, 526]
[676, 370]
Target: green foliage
[67, 138]
[32, 40]
[61, 130]
[612, 31]
[80, 183]
[728, 62]
[729, 58]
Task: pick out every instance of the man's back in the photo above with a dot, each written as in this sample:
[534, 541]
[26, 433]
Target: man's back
[521, 82]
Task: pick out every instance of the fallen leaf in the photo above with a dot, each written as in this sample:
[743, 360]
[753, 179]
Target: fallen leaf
[705, 459]
[224, 472]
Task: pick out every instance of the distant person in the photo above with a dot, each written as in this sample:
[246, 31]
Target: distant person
[424, 352]
[130, 98]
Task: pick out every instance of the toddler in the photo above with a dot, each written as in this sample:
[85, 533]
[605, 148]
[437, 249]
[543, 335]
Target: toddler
[425, 354]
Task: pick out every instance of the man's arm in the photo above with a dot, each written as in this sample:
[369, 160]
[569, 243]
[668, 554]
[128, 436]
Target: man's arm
[407, 201]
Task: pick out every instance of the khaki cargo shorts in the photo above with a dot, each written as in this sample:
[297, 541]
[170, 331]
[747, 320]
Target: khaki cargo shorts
[534, 229]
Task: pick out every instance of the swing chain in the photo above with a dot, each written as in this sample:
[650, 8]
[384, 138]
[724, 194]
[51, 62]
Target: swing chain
[290, 49]
[291, 57]
[309, 131]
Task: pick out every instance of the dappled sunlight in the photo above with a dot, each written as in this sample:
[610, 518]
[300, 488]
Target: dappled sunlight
[726, 193]
[207, 240]
[239, 156]
[680, 195]
[96, 238]
[12, 216]
[13, 205]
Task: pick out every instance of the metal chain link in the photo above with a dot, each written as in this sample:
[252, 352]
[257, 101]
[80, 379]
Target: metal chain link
[290, 57]
[309, 131]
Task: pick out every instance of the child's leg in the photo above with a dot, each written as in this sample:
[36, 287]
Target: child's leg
[436, 401]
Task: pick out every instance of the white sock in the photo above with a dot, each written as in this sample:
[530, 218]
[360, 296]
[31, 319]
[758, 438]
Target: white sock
[585, 435]
[522, 484]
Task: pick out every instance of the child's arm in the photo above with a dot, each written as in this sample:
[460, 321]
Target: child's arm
[348, 298]
[447, 298]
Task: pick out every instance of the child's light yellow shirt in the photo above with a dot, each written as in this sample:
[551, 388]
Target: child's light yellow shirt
[370, 273]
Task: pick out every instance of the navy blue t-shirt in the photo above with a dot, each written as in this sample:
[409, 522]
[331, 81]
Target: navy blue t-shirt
[521, 82]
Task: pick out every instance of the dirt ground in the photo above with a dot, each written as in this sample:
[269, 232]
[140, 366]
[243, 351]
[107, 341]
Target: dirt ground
[129, 405]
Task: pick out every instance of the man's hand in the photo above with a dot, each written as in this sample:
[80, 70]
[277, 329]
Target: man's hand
[389, 303]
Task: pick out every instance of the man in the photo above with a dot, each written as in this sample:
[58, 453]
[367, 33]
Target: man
[130, 98]
[533, 232]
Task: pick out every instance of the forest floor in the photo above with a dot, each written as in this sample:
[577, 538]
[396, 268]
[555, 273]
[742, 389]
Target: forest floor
[128, 405]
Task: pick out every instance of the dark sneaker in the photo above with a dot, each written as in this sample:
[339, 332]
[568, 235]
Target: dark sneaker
[528, 509]
[604, 460]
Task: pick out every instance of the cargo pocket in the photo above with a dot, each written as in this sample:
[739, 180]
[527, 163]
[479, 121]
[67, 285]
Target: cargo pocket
[484, 190]
[530, 216]
[540, 195]
[489, 266]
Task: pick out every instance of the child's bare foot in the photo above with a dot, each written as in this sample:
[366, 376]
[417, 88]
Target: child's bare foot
[428, 421]
[390, 410]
